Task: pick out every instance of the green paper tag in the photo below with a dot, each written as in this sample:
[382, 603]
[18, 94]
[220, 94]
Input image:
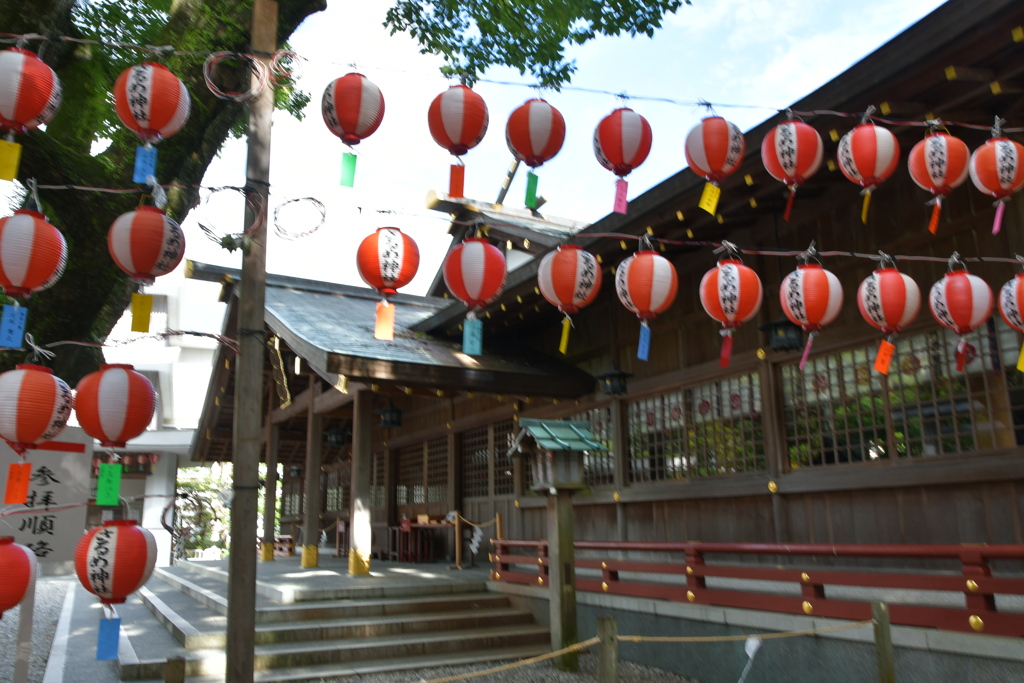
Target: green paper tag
[348, 169]
[531, 190]
[108, 485]
[473, 337]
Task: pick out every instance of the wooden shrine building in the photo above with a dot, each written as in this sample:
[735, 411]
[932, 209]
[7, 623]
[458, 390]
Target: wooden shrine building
[759, 451]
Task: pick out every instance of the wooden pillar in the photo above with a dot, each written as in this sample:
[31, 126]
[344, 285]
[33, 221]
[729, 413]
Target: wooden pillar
[620, 446]
[314, 453]
[241, 624]
[362, 460]
[883, 642]
[270, 492]
[562, 578]
[608, 650]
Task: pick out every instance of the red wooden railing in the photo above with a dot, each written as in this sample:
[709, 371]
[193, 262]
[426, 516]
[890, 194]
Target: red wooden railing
[975, 581]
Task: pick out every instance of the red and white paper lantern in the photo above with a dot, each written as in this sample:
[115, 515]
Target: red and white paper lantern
[33, 253]
[889, 300]
[792, 152]
[646, 284]
[34, 406]
[731, 293]
[569, 278]
[714, 149]
[535, 132]
[997, 169]
[30, 93]
[146, 243]
[622, 141]
[352, 107]
[474, 272]
[387, 260]
[151, 101]
[115, 560]
[1011, 308]
[114, 404]
[961, 302]
[458, 121]
[939, 164]
[868, 155]
[811, 297]
[18, 567]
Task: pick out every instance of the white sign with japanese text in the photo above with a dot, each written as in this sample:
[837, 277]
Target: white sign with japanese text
[53, 517]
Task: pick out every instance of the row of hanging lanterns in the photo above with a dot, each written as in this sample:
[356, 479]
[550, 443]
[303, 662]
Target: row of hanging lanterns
[113, 404]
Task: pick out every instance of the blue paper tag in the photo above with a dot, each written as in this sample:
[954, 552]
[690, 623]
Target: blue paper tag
[473, 337]
[145, 164]
[645, 342]
[110, 632]
[12, 326]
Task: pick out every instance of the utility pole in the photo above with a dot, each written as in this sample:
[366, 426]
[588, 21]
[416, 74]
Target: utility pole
[241, 624]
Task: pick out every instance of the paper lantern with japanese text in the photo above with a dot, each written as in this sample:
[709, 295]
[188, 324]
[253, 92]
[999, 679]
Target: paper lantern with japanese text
[146, 243]
[889, 300]
[34, 406]
[939, 164]
[352, 107]
[30, 93]
[115, 560]
[474, 272]
[535, 132]
[961, 302]
[811, 297]
[18, 567]
[33, 253]
[714, 149]
[387, 260]
[731, 293]
[997, 169]
[868, 155]
[646, 284]
[622, 141]
[151, 101]
[114, 404]
[792, 152]
[1011, 308]
[569, 278]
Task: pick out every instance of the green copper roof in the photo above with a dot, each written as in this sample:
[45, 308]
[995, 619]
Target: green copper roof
[560, 435]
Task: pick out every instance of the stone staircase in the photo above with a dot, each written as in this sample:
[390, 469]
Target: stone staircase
[317, 633]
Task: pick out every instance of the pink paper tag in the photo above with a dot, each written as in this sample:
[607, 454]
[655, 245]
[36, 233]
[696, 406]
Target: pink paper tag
[997, 224]
[621, 202]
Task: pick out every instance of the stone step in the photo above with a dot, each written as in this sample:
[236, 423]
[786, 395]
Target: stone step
[285, 593]
[317, 674]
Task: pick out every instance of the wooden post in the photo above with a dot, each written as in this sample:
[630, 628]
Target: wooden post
[883, 642]
[174, 672]
[270, 493]
[360, 531]
[458, 540]
[314, 452]
[241, 624]
[608, 650]
[562, 578]
[499, 527]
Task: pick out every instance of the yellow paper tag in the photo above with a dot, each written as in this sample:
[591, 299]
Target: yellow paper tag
[385, 327]
[864, 208]
[709, 198]
[1020, 360]
[10, 158]
[884, 357]
[142, 307]
[563, 345]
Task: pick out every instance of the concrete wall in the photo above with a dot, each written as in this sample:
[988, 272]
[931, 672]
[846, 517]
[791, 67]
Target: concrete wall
[922, 655]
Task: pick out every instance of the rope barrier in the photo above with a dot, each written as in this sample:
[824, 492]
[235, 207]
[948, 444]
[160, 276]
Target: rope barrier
[482, 524]
[515, 665]
[759, 636]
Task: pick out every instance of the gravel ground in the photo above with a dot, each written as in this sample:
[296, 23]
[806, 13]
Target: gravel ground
[50, 592]
[542, 672]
